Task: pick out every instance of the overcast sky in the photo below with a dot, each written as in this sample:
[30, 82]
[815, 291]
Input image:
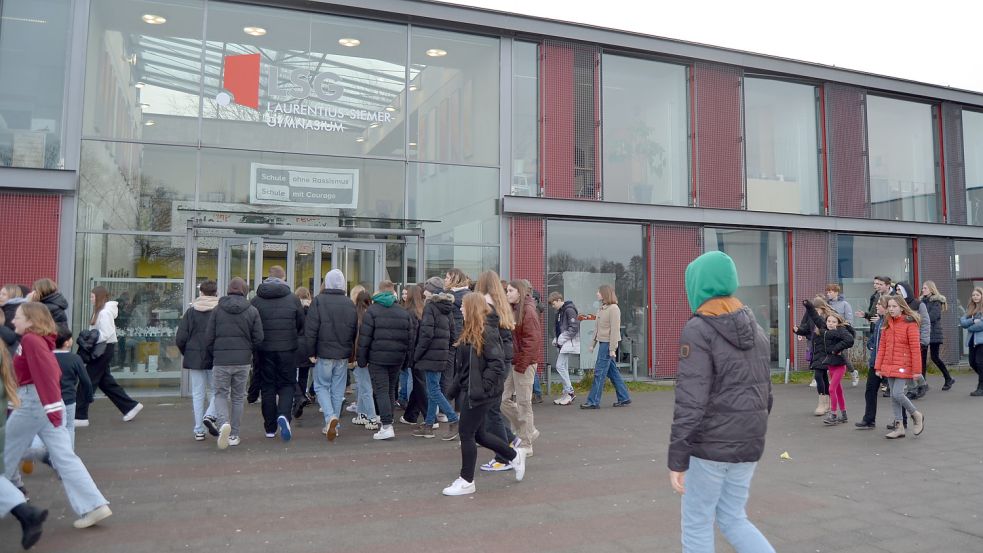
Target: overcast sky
[938, 42]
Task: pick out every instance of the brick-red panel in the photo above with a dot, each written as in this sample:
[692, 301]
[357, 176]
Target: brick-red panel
[29, 248]
[672, 248]
[955, 163]
[846, 143]
[528, 261]
[719, 136]
[569, 96]
[811, 265]
[936, 257]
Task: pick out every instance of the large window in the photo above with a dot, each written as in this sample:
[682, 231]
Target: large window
[453, 214]
[34, 38]
[582, 256]
[525, 119]
[782, 151]
[762, 269]
[901, 140]
[973, 148]
[645, 124]
[860, 258]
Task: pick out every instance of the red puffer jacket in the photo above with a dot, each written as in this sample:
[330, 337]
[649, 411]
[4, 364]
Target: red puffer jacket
[527, 339]
[899, 352]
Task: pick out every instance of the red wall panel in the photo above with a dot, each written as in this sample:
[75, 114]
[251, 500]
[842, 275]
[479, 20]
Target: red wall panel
[719, 136]
[812, 271]
[846, 133]
[528, 260]
[29, 248]
[672, 248]
[936, 259]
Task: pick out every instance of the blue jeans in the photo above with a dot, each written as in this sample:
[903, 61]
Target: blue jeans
[363, 393]
[405, 385]
[201, 385]
[605, 367]
[436, 399]
[716, 490]
[330, 378]
[536, 389]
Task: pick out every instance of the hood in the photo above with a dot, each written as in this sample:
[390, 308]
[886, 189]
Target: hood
[443, 302]
[459, 294]
[334, 280]
[58, 300]
[15, 301]
[711, 275]
[204, 303]
[738, 327]
[493, 320]
[273, 288]
[934, 297]
[233, 303]
[387, 299]
[112, 308]
[839, 299]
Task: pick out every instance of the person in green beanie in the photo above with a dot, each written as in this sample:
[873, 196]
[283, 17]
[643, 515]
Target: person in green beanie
[723, 398]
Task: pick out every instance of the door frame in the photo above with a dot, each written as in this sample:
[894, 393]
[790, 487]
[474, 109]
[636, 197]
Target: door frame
[378, 248]
[224, 253]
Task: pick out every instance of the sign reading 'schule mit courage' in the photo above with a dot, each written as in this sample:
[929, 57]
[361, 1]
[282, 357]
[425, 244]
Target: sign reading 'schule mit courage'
[303, 186]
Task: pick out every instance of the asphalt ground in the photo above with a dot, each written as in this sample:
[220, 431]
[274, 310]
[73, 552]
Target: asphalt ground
[597, 483]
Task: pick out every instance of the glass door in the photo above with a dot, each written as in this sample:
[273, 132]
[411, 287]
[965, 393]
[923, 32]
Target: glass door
[240, 257]
[361, 263]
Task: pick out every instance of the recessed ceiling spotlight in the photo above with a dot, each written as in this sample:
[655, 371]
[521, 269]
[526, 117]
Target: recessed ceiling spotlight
[373, 125]
[254, 31]
[140, 84]
[153, 19]
[413, 87]
[360, 139]
[436, 52]
[412, 144]
[144, 105]
[149, 123]
[390, 108]
[349, 42]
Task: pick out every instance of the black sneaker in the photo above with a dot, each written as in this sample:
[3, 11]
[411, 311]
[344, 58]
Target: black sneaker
[948, 384]
[624, 403]
[589, 406]
[864, 425]
[977, 393]
[210, 424]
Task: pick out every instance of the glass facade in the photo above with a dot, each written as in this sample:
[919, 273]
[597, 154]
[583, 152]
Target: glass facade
[902, 156]
[580, 257]
[968, 265]
[973, 155]
[860, 258]
[645, 131]
[782, 147]
[762, 270]
[34, 48]
[525, 119]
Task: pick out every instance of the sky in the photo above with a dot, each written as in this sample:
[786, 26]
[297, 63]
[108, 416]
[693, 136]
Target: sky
[938, 42]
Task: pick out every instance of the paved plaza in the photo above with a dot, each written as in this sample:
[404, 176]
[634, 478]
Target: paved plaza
[598, 483]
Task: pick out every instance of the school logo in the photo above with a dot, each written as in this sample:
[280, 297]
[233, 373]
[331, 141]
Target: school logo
[241, 81]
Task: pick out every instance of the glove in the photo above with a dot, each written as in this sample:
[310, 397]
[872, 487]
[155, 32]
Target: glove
[807, 304]
[55, 417]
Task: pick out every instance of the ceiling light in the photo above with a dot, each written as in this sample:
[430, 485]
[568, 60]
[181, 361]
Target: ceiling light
[144, 105]
[436, 52]
[153, 19]
[413, 144]
[202, 251]
[373, 125]
[149, 123]
[412, 87]
[390, 108]
[349, 42]
[140, 84]
[360, 139]
[254, 31]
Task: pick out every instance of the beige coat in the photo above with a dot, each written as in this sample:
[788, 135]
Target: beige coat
[608, 326]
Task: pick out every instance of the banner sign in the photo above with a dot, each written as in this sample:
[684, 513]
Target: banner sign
[303, 186]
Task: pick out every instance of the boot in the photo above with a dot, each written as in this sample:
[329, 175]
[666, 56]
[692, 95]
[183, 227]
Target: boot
[898, 431]
[978, 392]
[918, 422]
[822, 406]
[31, 518]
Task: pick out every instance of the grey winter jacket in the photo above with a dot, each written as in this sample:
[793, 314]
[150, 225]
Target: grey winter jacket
[233, 332]
[842, 307]
[924, 324]
[332, 323]
[723, 391]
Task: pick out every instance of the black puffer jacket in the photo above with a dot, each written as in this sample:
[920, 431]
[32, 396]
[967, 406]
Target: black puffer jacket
[827, 345]
[10, 309]
[433, 343]
[233, 332]
[332, 322]
[723, 391]
[481, 377]
[57, 305]
[282, 316]
[386, 336]
[190, 339]
[458, 316]
[506, 336]
[934, 305]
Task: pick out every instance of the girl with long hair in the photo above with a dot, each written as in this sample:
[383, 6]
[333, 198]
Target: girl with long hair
[607, 336]
[303, 395]
[808, 329]
[479, 377]
[527, 344]
[413, 301]
[365, 413]
[972, 322]
[103, 318]
[899, 359]
[46, 291]
[937, 305]
[432, 361]
[41, 411]
[834, 337]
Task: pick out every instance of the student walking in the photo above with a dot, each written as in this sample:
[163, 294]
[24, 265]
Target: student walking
[76, 387]
[366, 414]
[329, 335]
[527, 343]
[479, 377]
[384, 344]
[899, 360]
[873, 379]
[936, 305]
[972, 322]
[834, 337]
[41, 412]
[233, 332]
[607, 337]
[190, 341]
[303, 383]
[723, 398]
[567, 339]
[836, 301]
[46, 291]
[918, 386]
[103, 319]
[415, 401]
[283, 321]
[432, 357]
[807, 329]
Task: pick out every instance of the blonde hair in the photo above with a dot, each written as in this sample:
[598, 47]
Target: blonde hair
[457, 279]
[40, 318]
[975, 308]
[905, 310]
[44, 287]
[356, 290]
[302, 293]
[490, 283]
[13, 291]
[840, 321]
[607, 294]
[475, 309]
[934, 290]
[7, 376]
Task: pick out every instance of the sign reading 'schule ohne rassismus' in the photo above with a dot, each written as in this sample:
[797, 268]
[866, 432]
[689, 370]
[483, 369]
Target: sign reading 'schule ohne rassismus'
[303, 186]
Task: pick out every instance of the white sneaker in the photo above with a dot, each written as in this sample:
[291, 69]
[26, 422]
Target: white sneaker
[332, 432]
[495, 466]
[441, 417]
[565, 399]
[352, 408]
[813, 383]
[519, 463]
[386, 433]
[93, 517]
[360, 420]
[233, 440]
[527, 449]
[223, 435]
[460, 487]
[81, 423]
[373, 424]
[132, 414]
[856, 377]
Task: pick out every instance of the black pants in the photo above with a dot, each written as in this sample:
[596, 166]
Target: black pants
[496, 425]
[870, 395]
[417, 404]
[473, 433]
[937, 359]
[385, 380]
[822, 381]
[101, 378]
[252, 394]
[277, 379]
[975, 361]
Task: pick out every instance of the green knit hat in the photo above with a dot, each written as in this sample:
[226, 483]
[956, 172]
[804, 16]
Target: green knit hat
[711, 275]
